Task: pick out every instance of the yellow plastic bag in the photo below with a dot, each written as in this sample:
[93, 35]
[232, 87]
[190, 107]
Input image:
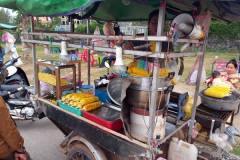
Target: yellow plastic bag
[187, 109]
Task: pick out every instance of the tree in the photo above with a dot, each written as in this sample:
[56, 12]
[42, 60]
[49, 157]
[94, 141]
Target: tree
[4, 16]
[56, 21]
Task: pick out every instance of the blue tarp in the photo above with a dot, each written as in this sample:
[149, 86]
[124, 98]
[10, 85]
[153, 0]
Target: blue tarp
[7, 26]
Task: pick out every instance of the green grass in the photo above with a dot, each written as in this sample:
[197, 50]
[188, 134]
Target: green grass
[208, 61]
[236, 150]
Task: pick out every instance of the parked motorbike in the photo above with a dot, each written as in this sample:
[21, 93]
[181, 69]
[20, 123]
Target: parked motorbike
[17, 92]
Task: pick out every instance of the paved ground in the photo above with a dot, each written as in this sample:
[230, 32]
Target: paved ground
[42, 139]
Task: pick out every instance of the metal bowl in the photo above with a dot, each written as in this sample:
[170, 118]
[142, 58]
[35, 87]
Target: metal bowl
[114, 90]
[230, 103]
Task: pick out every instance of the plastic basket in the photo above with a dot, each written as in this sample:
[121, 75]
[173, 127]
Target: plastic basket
[69, 108]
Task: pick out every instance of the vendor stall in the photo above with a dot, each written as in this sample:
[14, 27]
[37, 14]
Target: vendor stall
[135, 126]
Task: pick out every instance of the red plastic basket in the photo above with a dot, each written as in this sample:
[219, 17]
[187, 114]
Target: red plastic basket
[113, 123]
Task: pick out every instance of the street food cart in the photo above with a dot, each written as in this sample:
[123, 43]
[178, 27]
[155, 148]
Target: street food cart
[88, 139]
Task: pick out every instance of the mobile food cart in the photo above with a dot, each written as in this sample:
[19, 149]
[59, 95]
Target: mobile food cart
[86, 138]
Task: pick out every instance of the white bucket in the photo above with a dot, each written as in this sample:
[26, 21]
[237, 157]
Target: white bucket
[139, 120]
[180, 150]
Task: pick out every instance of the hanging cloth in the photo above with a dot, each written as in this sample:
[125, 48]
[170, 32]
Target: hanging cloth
[192, 77]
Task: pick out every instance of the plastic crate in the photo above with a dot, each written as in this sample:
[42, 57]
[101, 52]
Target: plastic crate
[106, 117]
[69, 108]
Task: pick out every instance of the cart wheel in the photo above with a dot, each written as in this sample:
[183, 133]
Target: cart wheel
[80, 152]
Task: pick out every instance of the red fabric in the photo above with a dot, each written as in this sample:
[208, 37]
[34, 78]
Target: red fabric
[84, 57]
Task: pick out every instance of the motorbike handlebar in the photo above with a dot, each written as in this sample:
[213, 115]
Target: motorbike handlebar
[11, 88]
[7, 90]
[10, 62]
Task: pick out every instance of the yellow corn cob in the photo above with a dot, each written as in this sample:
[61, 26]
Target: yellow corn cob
[163, 72]
[173, 81]
[75, 96]
[53, 101]
[217, 91]
[50, 79]
[91, 106]
[85, 101]
[139, 72]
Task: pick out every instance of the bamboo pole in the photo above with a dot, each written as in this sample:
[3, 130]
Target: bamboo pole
[89, 56]
[153, 100]
[126, 38]
[199, 77]
[127, 52]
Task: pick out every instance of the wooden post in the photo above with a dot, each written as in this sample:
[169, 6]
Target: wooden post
[34, 58]
[74, 78]
[58, 83]
[89, 56]
[71, 24]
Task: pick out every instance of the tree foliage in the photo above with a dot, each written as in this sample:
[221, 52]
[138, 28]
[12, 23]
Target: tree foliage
[225, 30]
[82, 28]
[5, 16]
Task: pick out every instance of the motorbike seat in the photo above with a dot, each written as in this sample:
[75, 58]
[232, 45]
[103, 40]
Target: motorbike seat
[19, 102]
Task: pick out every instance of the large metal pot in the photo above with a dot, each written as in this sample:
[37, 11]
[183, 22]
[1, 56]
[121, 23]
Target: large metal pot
[230, 103]
[138, 98]
[145, 83]
[139, 92]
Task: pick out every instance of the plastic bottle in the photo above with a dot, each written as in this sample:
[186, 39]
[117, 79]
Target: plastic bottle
[180, 150]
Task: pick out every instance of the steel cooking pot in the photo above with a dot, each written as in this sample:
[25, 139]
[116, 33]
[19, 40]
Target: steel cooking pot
[139, 91]
[229, 103]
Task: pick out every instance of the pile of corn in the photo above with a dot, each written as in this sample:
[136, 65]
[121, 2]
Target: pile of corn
[163, 72]
[217, 91]
[133, 70]
[51, 79]
[83, 101]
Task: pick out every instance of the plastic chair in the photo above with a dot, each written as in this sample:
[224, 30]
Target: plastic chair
[176, 104]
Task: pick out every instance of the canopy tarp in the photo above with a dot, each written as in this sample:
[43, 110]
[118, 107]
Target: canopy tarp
[7, 26]
[122, 10]
[47, 7]
[140, 9]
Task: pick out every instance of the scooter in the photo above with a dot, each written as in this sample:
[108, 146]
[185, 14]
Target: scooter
[17, 93]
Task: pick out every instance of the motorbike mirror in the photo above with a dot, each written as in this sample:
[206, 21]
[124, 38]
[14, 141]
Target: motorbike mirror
[12, 61]
[107, 65]
[20, 88]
